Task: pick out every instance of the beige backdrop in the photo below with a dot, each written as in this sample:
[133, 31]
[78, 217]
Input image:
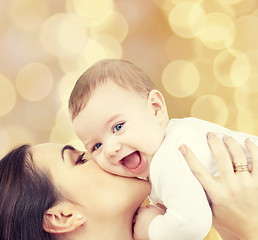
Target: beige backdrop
[203, 56]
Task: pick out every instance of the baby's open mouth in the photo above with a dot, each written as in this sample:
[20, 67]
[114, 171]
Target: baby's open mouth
[132, 161]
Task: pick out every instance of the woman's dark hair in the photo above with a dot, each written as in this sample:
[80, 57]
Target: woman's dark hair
[25, 194]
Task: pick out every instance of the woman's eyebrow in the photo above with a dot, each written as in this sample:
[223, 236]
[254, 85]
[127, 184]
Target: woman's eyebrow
[65, 148]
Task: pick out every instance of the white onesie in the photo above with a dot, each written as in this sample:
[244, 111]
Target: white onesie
[188, 215]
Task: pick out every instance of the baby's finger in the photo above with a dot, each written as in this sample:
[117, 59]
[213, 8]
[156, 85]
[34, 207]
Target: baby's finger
[253, 149]
[220, 154]
[200, 172]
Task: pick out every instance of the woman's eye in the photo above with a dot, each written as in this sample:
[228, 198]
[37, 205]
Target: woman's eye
[81, 160]
[118, 127]
[97, 146]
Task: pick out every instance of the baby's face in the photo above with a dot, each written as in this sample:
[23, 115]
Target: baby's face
[120, 130]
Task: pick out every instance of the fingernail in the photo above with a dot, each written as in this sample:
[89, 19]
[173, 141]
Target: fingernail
[210, 135]
[182, 149]
[225, 138]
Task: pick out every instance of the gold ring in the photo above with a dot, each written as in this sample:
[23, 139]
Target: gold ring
[241, 167]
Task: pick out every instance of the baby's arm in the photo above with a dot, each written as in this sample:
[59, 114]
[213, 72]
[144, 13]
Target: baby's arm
[169, 227]
[143, 219]
[188, 214]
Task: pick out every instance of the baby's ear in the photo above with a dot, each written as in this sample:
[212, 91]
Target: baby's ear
[157, 103]
[62, 218]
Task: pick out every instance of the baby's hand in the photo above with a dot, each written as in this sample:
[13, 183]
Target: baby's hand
[143, 219]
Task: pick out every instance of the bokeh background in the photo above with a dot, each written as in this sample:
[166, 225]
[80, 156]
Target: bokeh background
[202, 55]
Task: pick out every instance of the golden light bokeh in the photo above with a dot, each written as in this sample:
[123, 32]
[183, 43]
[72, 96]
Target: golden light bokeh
[62, 132]
[232, 68]
[187, 19]
[4, 140]
[201, 54]
[219, 31]
[251, 85]
[180, 78]
[190, 50]
[246, 122]
[186, 1]
[107, 27]
[246, 101]
[7, 96]
[101, 47]
[63, 35]
[66, 86]
[62, 115]
[18, 135]
[73, 63]
[93, 9]
[40, 118]
[165, 5]
[28, 14]
[34, 81]
[210, 108]
[231, 1]
[246, 33]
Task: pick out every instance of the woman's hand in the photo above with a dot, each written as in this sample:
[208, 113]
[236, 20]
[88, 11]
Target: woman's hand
[234, 194]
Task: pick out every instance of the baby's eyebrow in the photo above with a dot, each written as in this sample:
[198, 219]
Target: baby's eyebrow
[112, 119]
[65, 148]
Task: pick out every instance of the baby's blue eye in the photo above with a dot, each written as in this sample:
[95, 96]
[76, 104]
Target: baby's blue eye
[98, 145]
[118, 127]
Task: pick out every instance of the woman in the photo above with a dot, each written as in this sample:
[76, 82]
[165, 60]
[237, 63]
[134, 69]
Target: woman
[234, 194]
[50, 191]
[73, 198]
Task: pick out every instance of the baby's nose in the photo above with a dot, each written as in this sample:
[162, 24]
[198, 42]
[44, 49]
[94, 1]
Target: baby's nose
[112, 150]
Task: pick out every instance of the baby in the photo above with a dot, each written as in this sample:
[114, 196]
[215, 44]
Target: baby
[123, 122]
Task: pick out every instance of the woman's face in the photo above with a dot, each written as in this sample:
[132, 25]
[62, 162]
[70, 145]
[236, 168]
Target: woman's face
[86, 184]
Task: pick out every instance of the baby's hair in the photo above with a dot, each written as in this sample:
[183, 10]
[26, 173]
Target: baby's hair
[121, 72]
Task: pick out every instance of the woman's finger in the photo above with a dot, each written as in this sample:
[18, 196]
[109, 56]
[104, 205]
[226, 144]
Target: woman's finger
[253, 149]
[238, 155]
[200, 172]
[220, 154]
